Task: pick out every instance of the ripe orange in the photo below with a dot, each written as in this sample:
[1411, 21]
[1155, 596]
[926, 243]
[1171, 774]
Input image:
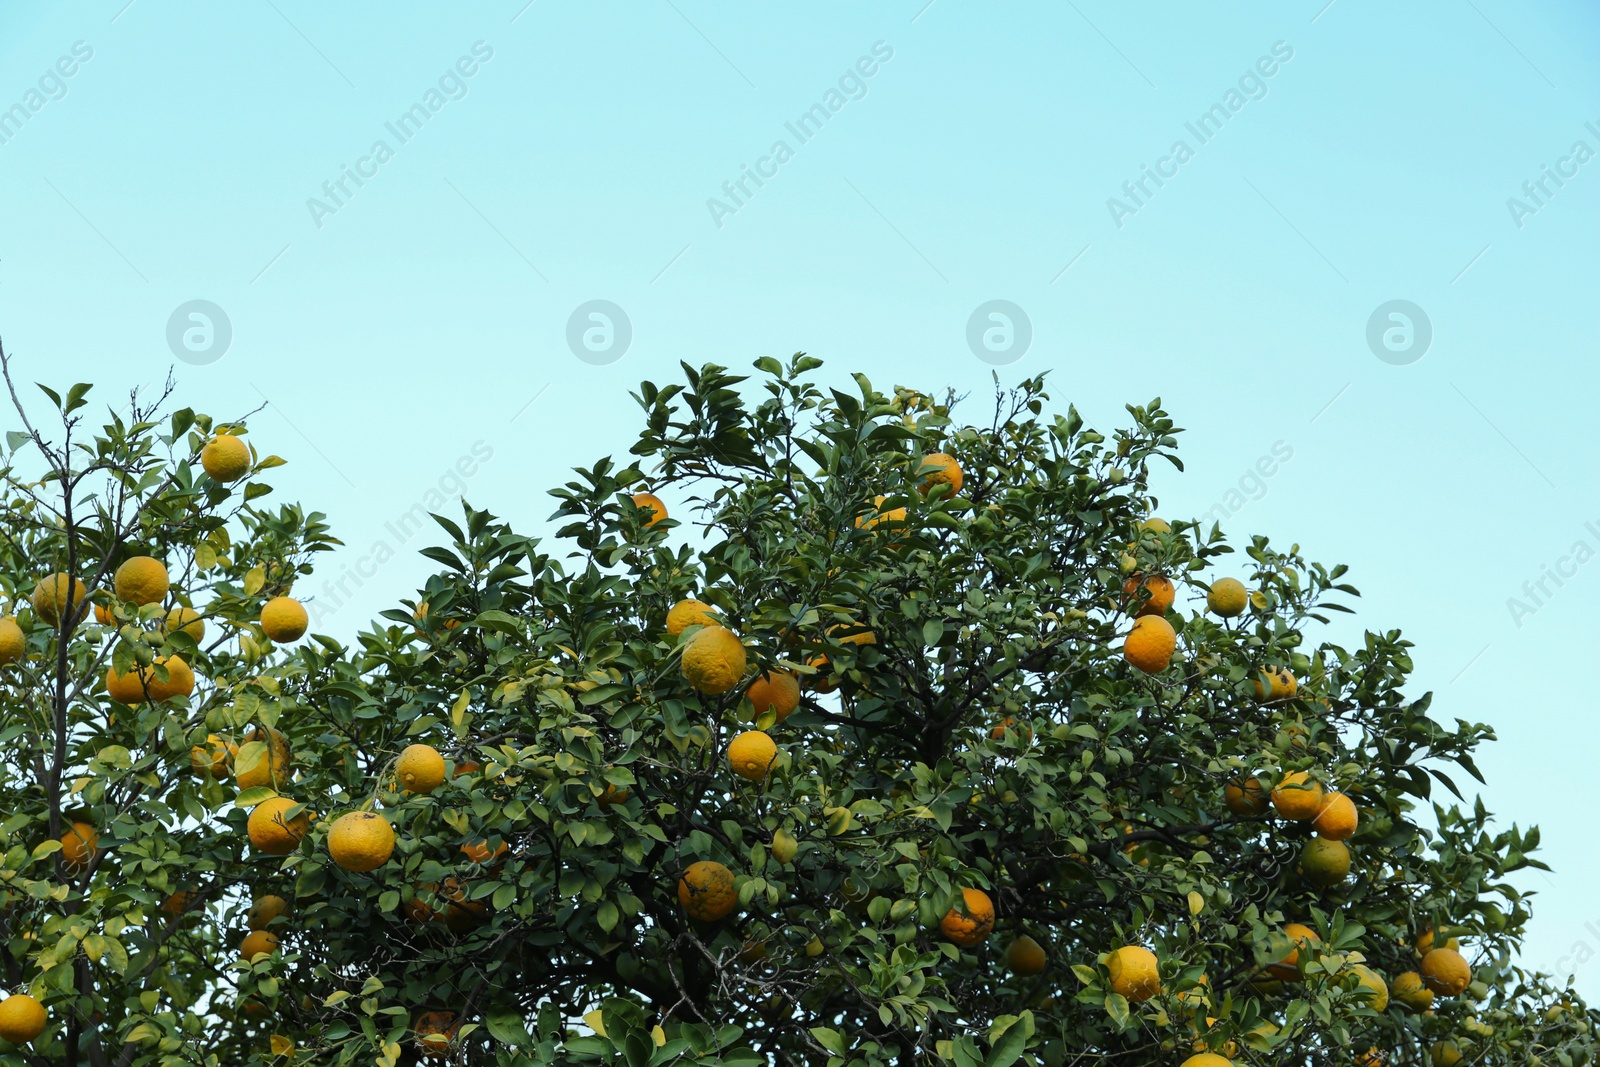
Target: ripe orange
[1445, 972]
[180, 620]
[1159, 594]
[1227, 598]
[258, 943]
[751, 755]
[141, 580]
[13, 642]
[212, 758]
[1025, 957]
[1246, 797]
[941, 468]
[78, 846]
[225, 458]
[435, 1031]
[778, 691]
[265, 909]
[714, 660]
[1338, 819]
[1377, 989]
[479, 852]
[361, 841]
[706, 891]
[271, 832]
[1134, 973]
[1149, 646]
[420, 769]
[1007, 724]
[178, 902]
[270, 767]
[892, 519]
[687, 613]
[658, 510]
[1274, 684]
[50, 598]
[283, 619]
[968, 930]
[612, 796]
[21, 1018]
[1298, 796]
[1409, 989]
[1155, 525]
[1288, 968]
[1207, 1059]
[1324, 863]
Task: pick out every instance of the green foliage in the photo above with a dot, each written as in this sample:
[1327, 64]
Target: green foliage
[989, 736]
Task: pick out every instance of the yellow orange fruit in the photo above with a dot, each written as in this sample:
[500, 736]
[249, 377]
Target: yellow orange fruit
[1246, 797]
[183, 620]
[1324, 863]
[894, 517]
[714, 660]
[266, 908]
[22, 1018]
[751, 755]
[1025, 957]
[212, 758]
[78, 846]
[1274, 684]
[141, 580]
[361, 841]
[775, 691]
[1149, 646]
[1445, 971]
[283, 619]
[1338, 819]
[1288, 968]
[13, 642]
[268, 766]
[706, 891]
[435, 1031]
[1207, 1059]
[1445, 1054]
[258, 943]
[50, 597]
[479, 851]
[1377, 989]
[272, 832]
[1155, 525]
[1228, 598]
[420, 769]
[226, 458]
[1298, 796]
[968, 930]
[1134, 973]
[1157, 597]
[784, 846]
[653, 504]
[941, 468]
[1409, 989]
[687, 613]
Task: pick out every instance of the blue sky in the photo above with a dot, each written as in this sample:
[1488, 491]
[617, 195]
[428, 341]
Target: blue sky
[419, 329]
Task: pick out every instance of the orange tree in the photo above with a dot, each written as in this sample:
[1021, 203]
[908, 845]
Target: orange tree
[902, 741]
[135, 563]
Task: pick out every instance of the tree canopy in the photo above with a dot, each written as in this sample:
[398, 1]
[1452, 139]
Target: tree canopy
[888, 738]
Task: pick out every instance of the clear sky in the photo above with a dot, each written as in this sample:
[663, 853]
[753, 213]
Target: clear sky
[400, 213]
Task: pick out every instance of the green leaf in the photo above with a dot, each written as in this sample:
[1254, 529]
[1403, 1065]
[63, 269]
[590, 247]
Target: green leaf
[829, 1039]
[506, 1027]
